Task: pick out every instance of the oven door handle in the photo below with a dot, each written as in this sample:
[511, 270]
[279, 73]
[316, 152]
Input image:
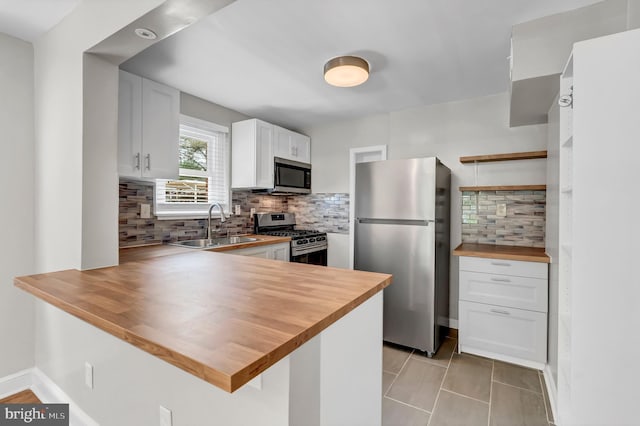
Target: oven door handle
[308, 250]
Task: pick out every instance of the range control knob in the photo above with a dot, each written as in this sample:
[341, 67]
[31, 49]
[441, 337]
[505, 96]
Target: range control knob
[312, 240]
[304, 241]
[320, 239]
[299, 242]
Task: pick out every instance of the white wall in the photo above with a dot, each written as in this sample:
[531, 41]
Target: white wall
[448, 131]
[99, 164]
[130, 384]
[16, 211]
[59, 153]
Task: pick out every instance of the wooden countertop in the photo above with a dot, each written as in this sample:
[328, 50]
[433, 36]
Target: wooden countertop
[490, 251]
[224, 319]
[128, 254]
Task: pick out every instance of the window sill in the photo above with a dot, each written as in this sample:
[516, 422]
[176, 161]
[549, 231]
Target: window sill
[188, 215]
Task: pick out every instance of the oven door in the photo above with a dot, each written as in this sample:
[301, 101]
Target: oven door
[291, 176]
[318, 257]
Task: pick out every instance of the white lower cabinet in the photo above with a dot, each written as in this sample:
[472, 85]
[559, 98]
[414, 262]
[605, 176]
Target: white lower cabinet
[513, 335]
[281, 252]
[503, 310]
[271, 251]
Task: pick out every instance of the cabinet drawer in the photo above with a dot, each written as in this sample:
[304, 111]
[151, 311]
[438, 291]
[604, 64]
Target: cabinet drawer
[512, 332]
[504, 290]
[504, 267]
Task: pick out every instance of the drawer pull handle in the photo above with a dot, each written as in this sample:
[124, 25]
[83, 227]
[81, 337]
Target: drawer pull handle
[498, 311]
[500, 264]
[501, 280]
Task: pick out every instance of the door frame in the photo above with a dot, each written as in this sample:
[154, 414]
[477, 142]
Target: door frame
[359, 155]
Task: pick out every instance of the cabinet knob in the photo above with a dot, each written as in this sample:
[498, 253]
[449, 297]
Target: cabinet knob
[566, 100]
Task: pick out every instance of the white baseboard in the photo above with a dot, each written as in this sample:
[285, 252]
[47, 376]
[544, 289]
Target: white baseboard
[501, 357]
[552, 391]
[46, 390]
[15, 383]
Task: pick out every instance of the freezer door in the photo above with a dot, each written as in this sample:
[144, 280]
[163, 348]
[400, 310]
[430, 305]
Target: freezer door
[396, 189]
[407, 252]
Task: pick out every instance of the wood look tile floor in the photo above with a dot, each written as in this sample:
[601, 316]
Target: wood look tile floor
[453, 389]
[24, 397]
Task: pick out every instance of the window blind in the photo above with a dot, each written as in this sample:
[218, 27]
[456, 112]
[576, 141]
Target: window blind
[204, 175]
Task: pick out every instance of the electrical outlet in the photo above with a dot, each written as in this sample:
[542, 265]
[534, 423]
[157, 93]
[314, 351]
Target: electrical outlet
[88, 375]
[238, 210]
[253, 211]
[145, 211]
[165, 416]
[501, 210]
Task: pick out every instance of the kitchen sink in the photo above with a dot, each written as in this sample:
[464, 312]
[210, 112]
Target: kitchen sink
[213, 242]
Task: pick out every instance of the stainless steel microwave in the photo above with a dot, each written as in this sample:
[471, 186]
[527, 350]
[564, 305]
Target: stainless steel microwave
[291, 177]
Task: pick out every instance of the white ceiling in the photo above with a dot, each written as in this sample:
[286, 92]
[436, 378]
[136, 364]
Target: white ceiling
[265, 58]
[29, 19]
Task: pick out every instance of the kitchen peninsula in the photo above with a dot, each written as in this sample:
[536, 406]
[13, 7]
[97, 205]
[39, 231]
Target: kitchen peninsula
[297, 332]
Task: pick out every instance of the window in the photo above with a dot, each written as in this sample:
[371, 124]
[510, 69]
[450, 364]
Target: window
[204, 172]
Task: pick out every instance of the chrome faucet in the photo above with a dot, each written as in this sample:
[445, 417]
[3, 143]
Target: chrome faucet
[222, 218]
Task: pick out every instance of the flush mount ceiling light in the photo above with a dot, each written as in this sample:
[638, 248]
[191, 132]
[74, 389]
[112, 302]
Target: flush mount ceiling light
[346, 71]
[146, 33]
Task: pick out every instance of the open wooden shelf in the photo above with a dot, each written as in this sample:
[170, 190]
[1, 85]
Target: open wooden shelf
[505, 188]
[504, 157]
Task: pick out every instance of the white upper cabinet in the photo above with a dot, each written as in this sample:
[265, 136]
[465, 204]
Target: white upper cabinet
[291, 145]
[255, 143]
[252, 154]
[130, 125]
[540, 49]
[148, 128]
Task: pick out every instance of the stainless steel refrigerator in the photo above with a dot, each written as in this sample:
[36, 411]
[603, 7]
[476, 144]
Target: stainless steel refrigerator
[402, 213]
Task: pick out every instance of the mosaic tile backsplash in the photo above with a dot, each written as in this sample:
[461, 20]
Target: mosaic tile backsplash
[523, 225]
[323, 212]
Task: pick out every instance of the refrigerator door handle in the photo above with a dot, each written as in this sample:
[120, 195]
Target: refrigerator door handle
[395, 221]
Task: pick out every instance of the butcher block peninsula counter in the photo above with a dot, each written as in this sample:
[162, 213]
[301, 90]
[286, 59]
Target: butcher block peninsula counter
[252, 340]
[224, 319]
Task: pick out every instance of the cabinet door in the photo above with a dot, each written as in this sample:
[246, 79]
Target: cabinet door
[512, 332]
[160, 130]
[264, 155]
[504, 290]
[262, 252]
[282, 143]
[280, 252]
[516, 268]
[300, 147]
[129, 125]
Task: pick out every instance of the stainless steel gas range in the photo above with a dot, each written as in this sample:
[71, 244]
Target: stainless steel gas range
[307, 246]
